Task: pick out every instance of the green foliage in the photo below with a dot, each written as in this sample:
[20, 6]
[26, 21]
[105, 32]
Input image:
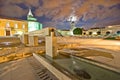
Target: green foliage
[110, 38]
[77, 31]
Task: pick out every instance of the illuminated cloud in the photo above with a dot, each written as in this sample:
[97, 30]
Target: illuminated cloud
[54, 8]
[90, 7]
[28, 3]
[51, 4]
[12, 11]
[59, 9]
[11, 8]
[89, 11]
[34, 3]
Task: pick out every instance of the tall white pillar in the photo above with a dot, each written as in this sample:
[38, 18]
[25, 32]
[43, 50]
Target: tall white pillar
[51, 45]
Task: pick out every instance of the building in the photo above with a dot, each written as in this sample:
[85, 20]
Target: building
[73, 31]
[33, 24]
[113, 30]
[14, 27]
[11, 27]
[64, 32]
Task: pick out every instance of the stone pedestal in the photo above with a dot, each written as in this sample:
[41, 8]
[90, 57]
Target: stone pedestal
[51, 45]
[33, 40]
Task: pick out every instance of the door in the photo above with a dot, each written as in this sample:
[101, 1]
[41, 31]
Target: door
[7, 32]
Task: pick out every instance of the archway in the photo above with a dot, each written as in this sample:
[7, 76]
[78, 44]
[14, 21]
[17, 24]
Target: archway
[118, 32]
[84, 33]
[77, 31]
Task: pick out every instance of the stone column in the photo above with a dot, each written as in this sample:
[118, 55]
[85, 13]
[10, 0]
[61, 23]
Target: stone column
[24, 38]
[33, 40]
[36, 40]
[51, 45]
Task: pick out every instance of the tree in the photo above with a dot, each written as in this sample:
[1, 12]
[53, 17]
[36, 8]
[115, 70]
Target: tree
[77, 31]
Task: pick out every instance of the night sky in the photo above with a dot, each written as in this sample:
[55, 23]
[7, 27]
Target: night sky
[90, 13]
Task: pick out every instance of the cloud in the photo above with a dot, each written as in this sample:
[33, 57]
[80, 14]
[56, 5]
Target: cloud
[57, 24]
[101, 13]
[56, 9]
[106, 22]
[92, 5]
[51, 4]
[59, 10]
[12, 11]
[10, 8]
[33, 3]
[39, 12]
[95, 10]
[64, 12]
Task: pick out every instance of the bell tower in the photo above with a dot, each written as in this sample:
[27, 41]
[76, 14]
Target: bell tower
[30, 16]
[33, 24]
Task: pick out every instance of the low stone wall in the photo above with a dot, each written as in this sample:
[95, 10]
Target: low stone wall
[10, 39]
[100, 43]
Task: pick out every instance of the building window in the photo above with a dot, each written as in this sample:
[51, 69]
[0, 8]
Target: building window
[118, 32]
[23, 26]
[7, 25]
[7, 32]
[90, 33]
[108, 32]
[16, 26]
[98, 33]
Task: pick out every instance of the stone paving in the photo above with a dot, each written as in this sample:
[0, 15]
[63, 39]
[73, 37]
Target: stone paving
[25, 69]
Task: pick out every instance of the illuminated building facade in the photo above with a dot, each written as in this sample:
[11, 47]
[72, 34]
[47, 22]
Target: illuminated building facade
[11, 27]
[75, 32]
[113, 30]
[64, 32]
[15, 27]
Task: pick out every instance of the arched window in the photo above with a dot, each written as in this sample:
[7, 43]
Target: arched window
[90, 33]
[98, 33]
[118, 32]
[108, 32]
